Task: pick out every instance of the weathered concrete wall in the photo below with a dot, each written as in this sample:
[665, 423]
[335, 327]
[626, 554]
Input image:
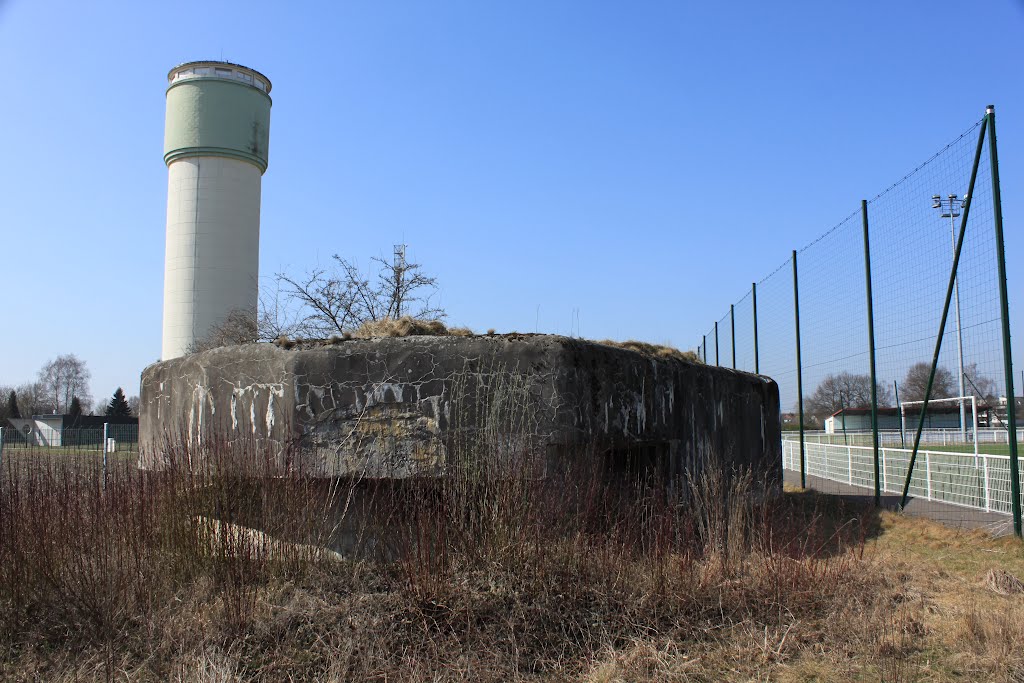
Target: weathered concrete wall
[396, 407]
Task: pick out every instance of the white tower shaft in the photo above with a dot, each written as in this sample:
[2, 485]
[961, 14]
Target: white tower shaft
[213, 245]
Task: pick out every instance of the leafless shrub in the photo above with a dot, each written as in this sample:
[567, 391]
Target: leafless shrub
[239, 327]
[341, 298]
[272, 320]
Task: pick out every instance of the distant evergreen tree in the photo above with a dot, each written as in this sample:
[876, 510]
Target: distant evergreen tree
[12, 405]
[75, 409]
[118, 406]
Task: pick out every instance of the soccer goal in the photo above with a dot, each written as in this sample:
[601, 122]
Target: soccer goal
[962, 401]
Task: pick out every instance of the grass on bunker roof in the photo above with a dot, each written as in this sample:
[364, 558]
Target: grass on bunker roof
[409, 327]
[492, 580]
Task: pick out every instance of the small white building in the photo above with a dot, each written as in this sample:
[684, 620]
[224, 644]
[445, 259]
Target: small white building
[38, 430]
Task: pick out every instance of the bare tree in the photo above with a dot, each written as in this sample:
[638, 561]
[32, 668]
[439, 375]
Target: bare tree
[845, 390]
[275, 318]
[64, 378]
[916, 383]
[333, 301]
[5, 392]
[99, 406]
[326, 301]
[977, 384]
[34, 400]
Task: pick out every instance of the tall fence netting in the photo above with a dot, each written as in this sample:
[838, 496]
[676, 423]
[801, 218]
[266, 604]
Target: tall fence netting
[962, 469]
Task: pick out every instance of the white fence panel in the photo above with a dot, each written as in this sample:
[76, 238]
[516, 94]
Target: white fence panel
[980, 482]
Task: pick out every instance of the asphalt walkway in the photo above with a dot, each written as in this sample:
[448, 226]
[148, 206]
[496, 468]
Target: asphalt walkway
[951, 515]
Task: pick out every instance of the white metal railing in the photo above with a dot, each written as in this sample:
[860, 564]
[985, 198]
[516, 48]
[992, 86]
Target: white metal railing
[896, 439]
[980, 482]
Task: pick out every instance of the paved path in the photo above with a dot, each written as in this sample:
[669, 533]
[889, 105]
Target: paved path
[950, 515]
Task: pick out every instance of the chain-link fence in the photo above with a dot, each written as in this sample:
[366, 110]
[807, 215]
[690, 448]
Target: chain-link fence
[40, 444]
[887, 294]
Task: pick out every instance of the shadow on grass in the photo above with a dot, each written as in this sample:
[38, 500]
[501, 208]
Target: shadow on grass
[826, 524]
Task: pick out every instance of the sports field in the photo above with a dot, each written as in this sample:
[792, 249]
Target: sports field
[986, 448]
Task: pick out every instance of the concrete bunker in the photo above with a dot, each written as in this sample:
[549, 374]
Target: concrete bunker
[415, 406]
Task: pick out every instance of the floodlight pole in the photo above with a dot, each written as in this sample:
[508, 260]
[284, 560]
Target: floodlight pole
[941, 204]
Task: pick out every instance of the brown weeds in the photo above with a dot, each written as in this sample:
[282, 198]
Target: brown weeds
[218, 568]
[654, 350]
[403, 327]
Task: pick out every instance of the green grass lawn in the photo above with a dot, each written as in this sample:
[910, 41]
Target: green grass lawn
[64, 451]
[864, 440]
[985, 448]
[20, 462]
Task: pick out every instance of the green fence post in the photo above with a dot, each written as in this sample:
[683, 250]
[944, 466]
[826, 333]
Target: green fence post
[871, 351]
[732, 325]
[704, 346]
[716, 343]
[945, 310]
[105, 427]
[757, 364]
[799, 374]
[1004, 310]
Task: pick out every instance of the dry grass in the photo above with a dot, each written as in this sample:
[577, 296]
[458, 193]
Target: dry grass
[403, 327]
[962, 588]
[376, 329]
[409, 327]
[566, 577]
[654, 350]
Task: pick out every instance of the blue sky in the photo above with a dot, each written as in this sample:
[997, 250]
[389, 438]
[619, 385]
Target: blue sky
[640, 163]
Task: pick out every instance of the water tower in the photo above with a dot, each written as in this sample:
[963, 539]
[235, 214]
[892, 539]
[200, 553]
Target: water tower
[216, 135]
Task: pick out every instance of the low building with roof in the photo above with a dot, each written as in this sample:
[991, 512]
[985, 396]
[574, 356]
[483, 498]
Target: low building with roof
[944, 415]
[56, 431]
